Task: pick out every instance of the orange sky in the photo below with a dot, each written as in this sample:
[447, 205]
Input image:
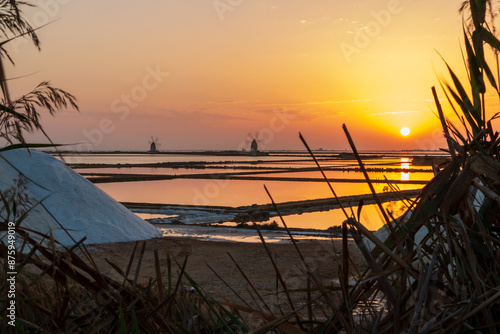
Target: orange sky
[203, 74]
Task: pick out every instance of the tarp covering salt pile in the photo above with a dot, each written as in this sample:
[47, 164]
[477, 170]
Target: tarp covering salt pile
[61, 203]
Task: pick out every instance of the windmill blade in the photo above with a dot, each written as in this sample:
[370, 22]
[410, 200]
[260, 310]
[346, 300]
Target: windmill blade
[248, 138]
[258, 138]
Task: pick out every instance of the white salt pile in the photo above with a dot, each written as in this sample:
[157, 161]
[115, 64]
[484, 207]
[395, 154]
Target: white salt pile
[65, 204]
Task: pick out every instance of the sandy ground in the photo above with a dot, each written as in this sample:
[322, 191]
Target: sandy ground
[250, 256]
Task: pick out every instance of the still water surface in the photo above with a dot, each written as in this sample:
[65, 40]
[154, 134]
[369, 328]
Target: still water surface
[224, 192]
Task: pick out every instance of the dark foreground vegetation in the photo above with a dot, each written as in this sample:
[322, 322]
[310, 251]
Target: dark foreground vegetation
[437, 271]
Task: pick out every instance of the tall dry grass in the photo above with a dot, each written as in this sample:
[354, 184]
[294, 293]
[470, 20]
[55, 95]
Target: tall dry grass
[61, 290]
[438, 271]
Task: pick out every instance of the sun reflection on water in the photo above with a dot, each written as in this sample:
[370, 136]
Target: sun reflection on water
[405, 166]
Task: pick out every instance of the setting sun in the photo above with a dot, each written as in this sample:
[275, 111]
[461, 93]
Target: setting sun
[405, 131]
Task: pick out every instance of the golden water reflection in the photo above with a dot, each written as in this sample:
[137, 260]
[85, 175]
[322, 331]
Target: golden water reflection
[405, 166]
[231, 192]
[224, 192]
[371, 217]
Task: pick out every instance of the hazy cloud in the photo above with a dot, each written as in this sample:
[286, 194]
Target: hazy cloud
[393, 112]
[227, 102]
[203, 115]
[315, 102]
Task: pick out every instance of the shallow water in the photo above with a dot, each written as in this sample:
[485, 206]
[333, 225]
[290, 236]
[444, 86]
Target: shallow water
[223, 192]
[157, 170]
[230, 192]
[159, 158]
[232, 234]
[371, 217]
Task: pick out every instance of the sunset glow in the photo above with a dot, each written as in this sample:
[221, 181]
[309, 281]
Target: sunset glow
[405, 131]
[200, 77]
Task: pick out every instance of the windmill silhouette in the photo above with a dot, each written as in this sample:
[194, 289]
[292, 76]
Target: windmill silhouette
[153, 145]
[254, 141]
